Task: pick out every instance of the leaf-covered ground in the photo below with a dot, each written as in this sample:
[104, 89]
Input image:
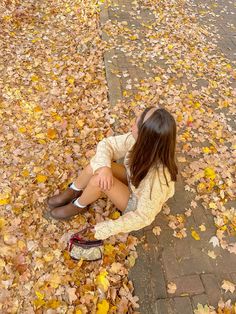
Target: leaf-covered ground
[54, 110]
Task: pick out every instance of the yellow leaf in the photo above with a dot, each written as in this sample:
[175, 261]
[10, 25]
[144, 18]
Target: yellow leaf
[53, 304]
[103, 307]
[4, 201]
[38, 303]
[66, 255]
[143, 88]
[134, 37]
[22, 129]
[7, 17]
[55, 281]
[78, 312]
[206, 150]
[80, 123]
[195, 235]
[48, 257]
[40, 135]
[39, 87]
[34, 78]
[212, 205]
[2, 263]
[51, 133]
[42, 141]
[125, 93]
[2, 222]
[108, 249]
[35, 40]
[41, 178]
[179, 117]
[102, 281]
[209, 173]
[197, 104]
[137, 97]
[39, 295]
[71, 79]
[115, 215]
[170, 47]
[157, 79]
[133, 104]
[100, 136]
[190, 96]
[25, 173]
[21, 244]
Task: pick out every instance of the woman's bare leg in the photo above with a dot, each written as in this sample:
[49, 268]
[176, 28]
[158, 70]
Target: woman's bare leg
[118, 171]
[83, 179]
[119, 193]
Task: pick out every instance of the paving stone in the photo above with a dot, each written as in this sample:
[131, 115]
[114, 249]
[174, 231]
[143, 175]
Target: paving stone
[171, 266]
[204, 239]
[157, 279]
[200, 217]
[222, 276]
[195, 265]
[190, 284]
[166, 237]
[225, 262]
[182, 248]
[183, 305]
[141, 276]
[233, 277]
[212, 288]
[178, 305]
[163, 306]
[200, 298]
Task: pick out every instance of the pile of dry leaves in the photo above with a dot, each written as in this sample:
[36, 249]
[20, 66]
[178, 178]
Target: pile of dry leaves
[54, 110]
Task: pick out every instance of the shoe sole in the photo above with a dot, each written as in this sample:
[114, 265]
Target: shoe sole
[47, 215]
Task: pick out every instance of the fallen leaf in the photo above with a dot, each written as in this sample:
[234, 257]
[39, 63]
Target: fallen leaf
[228, 286]
[171, 287]
[195, 235]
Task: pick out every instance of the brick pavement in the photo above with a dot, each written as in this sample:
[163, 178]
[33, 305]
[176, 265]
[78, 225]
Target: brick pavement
[166, 258]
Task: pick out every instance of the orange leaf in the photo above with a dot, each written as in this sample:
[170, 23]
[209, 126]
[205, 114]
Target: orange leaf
[41, 178]
[52, 133]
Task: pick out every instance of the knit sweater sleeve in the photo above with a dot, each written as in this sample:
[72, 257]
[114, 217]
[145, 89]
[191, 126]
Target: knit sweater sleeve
[144, 215]
[111, 148]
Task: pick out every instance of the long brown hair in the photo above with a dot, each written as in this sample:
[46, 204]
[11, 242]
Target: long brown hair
[155, 145]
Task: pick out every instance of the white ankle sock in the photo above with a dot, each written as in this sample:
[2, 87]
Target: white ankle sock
[76, 202]
[72, 186]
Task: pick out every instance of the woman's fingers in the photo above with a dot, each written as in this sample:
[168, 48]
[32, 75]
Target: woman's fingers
[106, 183]
[101, 183]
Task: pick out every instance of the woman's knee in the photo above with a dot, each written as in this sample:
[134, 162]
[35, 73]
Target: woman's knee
[88, 169]
[94, 181]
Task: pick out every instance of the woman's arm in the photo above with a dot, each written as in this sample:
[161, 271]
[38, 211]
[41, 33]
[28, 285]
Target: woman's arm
[143, 216]
[111, 148]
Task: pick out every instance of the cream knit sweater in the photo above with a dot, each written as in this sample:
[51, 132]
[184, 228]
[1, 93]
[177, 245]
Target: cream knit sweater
[117, 147]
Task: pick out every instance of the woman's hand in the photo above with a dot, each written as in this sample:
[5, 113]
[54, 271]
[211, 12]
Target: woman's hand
[105, 178]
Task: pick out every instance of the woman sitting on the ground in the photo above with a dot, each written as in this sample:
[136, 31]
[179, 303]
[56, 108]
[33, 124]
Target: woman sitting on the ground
[139, 187]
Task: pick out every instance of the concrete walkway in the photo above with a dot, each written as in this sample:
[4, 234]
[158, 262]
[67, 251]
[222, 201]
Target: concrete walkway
[165, 258]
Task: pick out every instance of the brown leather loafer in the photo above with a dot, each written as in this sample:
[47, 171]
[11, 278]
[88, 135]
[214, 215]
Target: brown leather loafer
[67, 211]
[63, 198]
